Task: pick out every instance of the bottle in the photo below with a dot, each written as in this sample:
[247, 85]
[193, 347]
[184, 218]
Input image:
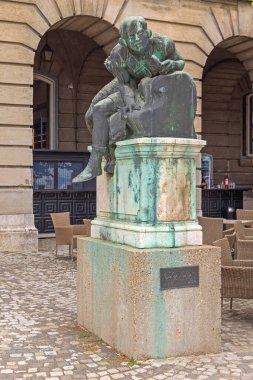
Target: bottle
[226, 182]
[203, 183]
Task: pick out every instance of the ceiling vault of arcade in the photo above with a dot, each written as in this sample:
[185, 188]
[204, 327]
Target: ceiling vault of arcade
[100, 31]
[242, 48]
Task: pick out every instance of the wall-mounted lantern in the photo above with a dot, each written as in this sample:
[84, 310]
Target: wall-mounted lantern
[47, 53]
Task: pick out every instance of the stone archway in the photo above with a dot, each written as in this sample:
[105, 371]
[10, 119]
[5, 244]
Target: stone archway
[77, 62]
[227, 80]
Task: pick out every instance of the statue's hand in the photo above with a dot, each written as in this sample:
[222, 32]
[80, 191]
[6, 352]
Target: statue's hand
[168, 67]
[118, 69]
[155, 63]
[113, 64]
[130, 106]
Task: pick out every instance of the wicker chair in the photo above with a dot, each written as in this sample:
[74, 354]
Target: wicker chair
[231, 237]
[86, 226]
[244, 241]
[242, 231]
[212, 228]
[226, 257]
[236, 275]
[242, 214]
[65, 233]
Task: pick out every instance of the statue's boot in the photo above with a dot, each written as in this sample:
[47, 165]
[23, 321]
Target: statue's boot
[110, 160]
[109, 167]
[93, 168]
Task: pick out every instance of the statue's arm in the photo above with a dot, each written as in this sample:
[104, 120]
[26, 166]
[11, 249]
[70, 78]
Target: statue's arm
[174, 61]
[115, 63]
[118, 69]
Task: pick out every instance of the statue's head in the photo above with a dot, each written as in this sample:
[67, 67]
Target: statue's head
[135, 34]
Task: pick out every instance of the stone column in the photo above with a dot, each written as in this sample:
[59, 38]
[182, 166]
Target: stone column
[17, 230]
[18, 234]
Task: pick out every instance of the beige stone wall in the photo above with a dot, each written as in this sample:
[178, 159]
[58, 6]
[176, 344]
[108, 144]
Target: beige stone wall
[196, 26]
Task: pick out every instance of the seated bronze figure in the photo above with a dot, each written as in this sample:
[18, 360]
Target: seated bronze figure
[149, 97]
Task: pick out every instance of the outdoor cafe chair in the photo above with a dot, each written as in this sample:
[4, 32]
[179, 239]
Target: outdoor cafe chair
[211, 228]
[236, 275]
[231, 237]
[65, 233]
[244, 241]
[243, 214]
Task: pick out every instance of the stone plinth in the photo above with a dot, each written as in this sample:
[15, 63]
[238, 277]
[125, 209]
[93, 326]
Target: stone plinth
[150, 201]
[120, 300]
[18, 234]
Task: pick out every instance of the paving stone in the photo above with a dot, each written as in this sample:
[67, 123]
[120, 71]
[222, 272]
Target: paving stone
[40, 338]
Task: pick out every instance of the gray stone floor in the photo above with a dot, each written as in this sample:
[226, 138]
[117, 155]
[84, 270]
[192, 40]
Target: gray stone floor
[40, 339]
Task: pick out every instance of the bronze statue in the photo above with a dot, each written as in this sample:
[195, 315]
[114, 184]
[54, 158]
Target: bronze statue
[150, 95]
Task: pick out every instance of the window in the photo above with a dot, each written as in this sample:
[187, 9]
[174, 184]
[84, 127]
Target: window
[43, 175]
[44, 112]
[56, 175]
[66, 172]
[40, 115]
[54, 171]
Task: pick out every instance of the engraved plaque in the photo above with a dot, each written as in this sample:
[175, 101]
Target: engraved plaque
[180, 277]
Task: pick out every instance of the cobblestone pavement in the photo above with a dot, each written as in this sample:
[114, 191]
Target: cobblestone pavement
[40, 339]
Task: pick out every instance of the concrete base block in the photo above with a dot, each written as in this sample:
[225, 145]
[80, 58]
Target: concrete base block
[18, 234]
[120, 299]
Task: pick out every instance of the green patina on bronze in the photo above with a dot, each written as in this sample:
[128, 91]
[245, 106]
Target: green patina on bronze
[149, 97]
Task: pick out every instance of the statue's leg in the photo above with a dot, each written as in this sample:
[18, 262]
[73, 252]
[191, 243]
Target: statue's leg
[100, 132]
[106, 92]
[110, 159]
[117, 132]
[89, 118]
[100, 138]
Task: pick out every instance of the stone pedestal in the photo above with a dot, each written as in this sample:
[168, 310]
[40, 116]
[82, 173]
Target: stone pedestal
[18, 234]
[150, 201]
[146, 285]
[120, 299]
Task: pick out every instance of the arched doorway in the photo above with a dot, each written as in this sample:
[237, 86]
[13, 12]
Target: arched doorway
[68, 53]
[227, 121]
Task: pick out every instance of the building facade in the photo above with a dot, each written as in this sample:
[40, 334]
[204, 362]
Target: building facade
[51, 65]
